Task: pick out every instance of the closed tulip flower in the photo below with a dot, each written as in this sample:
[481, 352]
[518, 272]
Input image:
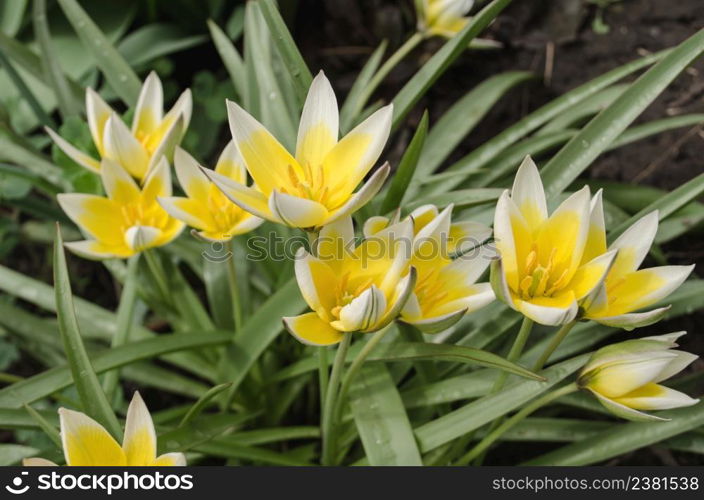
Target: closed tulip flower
[626, 377]
[443, 17]
[316, 187]
[138, 148]
[127, 221]
[352, 289]
[86, 443]
[541, 272]
[445, 289]
[205, 207]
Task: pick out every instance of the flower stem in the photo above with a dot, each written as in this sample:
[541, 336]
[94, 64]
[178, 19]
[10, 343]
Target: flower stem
[234, 288]
[496, 433]
[323, 374]
[125, 313]
[386, 68]
[330, 396]
[554, 343]
[158, 275]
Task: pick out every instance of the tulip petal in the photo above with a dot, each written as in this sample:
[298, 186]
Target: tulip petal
[97, 112]
[356, 153]
[316, 281]
[422, 216]
[512, 238]
[190, 211]
[118, 184]
[626, 374]
[474, 298]
[363, 313]
[190, 176]
[164, 148]
[437, 230]
[99, 217]
[625, 412]
[231, 164]
[73, 152]
[319, 126]
[401, 296]
[629, 321]
[246, 224]
[248, 199]
[681, 361]
[466, 235]
[122, 147]
[150, 106]
[297, 212]
[157, 182]
[591, 275]
[596, 239]
[182, 108]
[436, 324]
[499, 284]
[374, 224]
[634, 244]
[94, 250]
[87, 443]
[140, 238]
[170, 460]
[364, 195]
[528, 194]
[38, 462]
[139, 443]
[655, 397]
[335, 240]
[550, 311]
[266, 159]
[310, 329]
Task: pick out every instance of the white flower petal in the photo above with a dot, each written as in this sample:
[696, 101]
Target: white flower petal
[634, 244]
[528, 193]
[122, 147]
[319, 126]
[139, 443]
[297, 212]
[73, 152]
[150, 106]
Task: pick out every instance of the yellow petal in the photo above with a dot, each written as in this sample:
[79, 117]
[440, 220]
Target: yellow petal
[190, 176]
[118, 184]
[591, 275]
[310, 329]
[190, 211]
[97, 112]
[266, 159]
[123, 148]
[100, 217]
[621, 377]
[655, 397]
[528, 194]
[297, 212]
[94, 250]
[596, 238]
[633, 245]
[74, 153]
[513, 238]
[363, 196]
[150, 106]
[318, 129]
[157, 183]
[139, 443]
[551, 311]
[248, 199]
[316, 281]
[170, 460]
[231, 164]
[87, 443]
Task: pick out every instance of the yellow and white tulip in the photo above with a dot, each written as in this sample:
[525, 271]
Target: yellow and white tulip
[626, 377]
[317, 186]
[86, 443]
[206, 208]
[138, 149]
[445, 289]
[542, 271]
[127, 221]
[443, 17]
[352, 289]
[626, 288]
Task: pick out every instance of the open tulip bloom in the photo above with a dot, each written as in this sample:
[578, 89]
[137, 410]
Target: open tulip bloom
[317, 186]
[548, 265]
[626, 377]
[127, 221]
[138, 149]
[206, 208]
[445, 289]
[443, 17]
[627, 289]
[357, 290]
[86, 443]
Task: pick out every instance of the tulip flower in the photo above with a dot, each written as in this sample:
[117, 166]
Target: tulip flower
[87, 443]
[127, 221]
[445, 289]
[317, 186]
[625, 377]
[443, 17]
[627, 289]
[137, 149]
[206, 208]
[541, 272]
[352, 289]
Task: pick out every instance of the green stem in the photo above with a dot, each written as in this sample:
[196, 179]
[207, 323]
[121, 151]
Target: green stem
[125, 314]
[495, 434]
[158, 274]
[554, 343]
[330, 396]
[234, 288]
[386, 68]
[323, 375]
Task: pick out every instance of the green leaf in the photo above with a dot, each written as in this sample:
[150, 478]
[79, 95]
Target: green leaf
[291, 57]
[381, 419]
[603, 129]
[461, 198]
[273, 435]
[156, 40]
[117, 71]
[230, 57]
[11, 14]
[484, 410]
[87, 384]
[623, 438]
[463, 117]
[44, 425]
[654, 127]
[409, 95]
[50, 381]
[202, 403]
[406, 168]
[479, 157]
[348, 112]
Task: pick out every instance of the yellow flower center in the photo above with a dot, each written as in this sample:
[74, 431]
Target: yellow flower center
[226, 214]
[430, 291]
[344, 293]
[141, 213]
[541, 279]
[308, 183]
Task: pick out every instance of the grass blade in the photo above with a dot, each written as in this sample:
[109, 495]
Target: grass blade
[87, 384]
[230, 57]
[202, 403]
[349, 111]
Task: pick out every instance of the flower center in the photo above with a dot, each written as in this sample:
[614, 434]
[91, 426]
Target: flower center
[139, 213]
[541, 280]
[310, 183]
[430, 291]
[344, 293]
[226, 214]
